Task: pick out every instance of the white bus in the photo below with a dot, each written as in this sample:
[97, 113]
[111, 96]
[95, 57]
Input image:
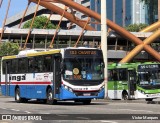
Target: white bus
[58, 74]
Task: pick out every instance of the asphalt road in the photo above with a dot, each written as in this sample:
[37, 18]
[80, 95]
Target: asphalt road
[100, 111]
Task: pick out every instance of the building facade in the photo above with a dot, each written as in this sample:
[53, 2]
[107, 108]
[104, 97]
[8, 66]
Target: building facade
[15, 20]
[121, 12]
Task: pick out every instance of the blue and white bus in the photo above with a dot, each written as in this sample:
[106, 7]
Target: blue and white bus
[52, 75]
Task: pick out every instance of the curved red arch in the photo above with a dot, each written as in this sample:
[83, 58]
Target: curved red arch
[97, 16]
[67, 15]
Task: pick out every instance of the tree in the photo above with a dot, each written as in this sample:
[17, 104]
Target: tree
[8, 48]
[136, 27]
[39, 23]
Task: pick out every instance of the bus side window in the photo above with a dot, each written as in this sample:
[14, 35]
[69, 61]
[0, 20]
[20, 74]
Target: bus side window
[115, 75]
[4, 66]
[109, 75]
[8, 66]
[22, 65]
[48, 63]
[6, 63]
[31, 65]
[14, 66]
[123, 74]
[38, 66]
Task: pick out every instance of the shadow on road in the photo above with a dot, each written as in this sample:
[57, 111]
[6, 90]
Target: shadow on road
[68, 103]
[153, 102]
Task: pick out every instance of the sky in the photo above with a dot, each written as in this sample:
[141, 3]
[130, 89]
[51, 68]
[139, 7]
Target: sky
[16, 6]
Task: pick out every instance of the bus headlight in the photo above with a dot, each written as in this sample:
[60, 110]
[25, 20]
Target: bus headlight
[68, 88]
[142, 92]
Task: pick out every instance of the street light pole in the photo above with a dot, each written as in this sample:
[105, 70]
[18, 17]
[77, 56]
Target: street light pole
[104, 41]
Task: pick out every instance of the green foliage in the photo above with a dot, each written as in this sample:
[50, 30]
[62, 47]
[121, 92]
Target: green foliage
[9, 48]
[39, 23]
[136, 27]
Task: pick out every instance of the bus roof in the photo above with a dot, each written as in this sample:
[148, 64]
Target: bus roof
[32, 52]
[128, 65]
[36, 52]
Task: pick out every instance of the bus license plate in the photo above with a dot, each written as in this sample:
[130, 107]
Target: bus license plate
[86, 94]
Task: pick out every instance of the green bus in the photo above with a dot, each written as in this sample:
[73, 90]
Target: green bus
[134, 81]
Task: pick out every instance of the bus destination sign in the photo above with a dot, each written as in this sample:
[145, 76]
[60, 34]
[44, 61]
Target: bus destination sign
[83, 52]
[149, 66]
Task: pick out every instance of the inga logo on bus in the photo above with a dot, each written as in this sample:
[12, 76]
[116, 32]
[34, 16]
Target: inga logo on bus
[18, 78]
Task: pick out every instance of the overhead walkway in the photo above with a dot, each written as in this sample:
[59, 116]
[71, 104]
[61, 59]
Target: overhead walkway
[118, 47]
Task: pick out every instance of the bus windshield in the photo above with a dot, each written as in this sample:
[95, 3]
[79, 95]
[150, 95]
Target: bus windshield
[83, 69]
[149, 77]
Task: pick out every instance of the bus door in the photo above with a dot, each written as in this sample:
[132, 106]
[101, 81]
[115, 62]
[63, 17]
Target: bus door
[7, 80]
[131, 83]
[57, 75]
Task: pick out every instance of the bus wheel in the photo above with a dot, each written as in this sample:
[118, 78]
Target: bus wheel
[50, 99]
[86, 102]
[149, 99]
[125, 95]
[18, 99]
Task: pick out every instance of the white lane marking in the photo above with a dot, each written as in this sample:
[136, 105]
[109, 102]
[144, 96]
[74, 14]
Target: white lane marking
[136, 110]
[15, 110]
[106, 121]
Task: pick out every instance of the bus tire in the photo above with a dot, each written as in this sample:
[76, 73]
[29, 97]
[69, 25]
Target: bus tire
[18, 99]
[50, 99]
[149, 99]
[86, 102]
[124, 95]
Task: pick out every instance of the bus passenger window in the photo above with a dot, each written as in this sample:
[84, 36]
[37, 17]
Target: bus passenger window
[4, 67]
[39, 64]
[48, 63]
[14, 66]
[31, 65]
[109, 75]
[22, 65]
[115, 75]
[123, 74]
[7, 64]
